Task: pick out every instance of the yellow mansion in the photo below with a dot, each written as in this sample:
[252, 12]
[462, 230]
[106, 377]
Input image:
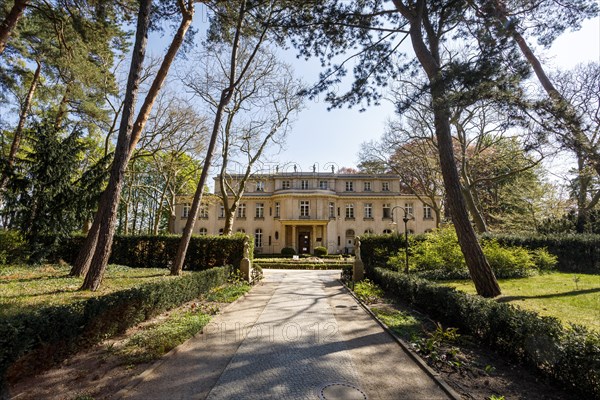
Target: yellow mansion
[304, 210]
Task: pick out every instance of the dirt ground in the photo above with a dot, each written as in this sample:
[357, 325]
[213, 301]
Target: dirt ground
[483, 373]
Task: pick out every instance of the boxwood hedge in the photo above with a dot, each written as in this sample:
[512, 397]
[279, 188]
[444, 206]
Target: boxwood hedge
[567, 356]
[35, 340]
[150, 251]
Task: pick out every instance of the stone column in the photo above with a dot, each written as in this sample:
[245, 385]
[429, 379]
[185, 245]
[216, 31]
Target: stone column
[294, 238]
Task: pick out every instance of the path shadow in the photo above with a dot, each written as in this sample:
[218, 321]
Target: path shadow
[548, 296]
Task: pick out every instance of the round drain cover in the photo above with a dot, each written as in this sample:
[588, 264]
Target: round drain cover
[341, 391]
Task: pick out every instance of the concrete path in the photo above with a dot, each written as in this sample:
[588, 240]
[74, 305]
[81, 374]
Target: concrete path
[298, 335]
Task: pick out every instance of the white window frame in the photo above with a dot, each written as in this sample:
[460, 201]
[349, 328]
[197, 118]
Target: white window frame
[258, 234]
[331, 209]
[427, 211]
[368, 208]
[260, 186]
[221, 211]
[349, 186]
[285, 184]
[385, 186]
[304, 184]
[241, 211]
[185, 213]
[304, 208]
[202, 231]
[323, 185]
[259, 210]
[367, 186]
[350, 210]
[409, 208]
[203, 210]
[277, 210]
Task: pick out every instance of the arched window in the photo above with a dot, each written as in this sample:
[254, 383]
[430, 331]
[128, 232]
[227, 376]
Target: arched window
[258, 235]
[276, 235]
[241, 230]
[387, 231]
[368, 231]
[350, 233]
[203, 231]
[221, 231]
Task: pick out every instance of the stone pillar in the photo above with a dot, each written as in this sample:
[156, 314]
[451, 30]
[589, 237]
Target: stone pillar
[294, 238]
[313, 237]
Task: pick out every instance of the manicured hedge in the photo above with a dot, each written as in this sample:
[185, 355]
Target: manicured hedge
[204, 252]
[35, 340]
[299, 265]
[375, 250]
[567, 356]
[576, 253]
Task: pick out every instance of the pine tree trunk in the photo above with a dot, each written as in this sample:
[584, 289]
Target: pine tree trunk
[18, 135]
[110, 198]
[10, 22]
[478, 219]
[81, 265]
[429, 58]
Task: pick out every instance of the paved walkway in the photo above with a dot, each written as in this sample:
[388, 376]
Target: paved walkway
[298, 335]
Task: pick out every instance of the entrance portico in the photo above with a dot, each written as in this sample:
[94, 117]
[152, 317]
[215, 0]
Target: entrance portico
[303, 235]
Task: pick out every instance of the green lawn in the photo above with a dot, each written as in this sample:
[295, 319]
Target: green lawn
[573, 298]
[23, 287]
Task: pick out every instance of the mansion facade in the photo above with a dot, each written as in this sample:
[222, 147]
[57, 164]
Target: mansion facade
[304, 210]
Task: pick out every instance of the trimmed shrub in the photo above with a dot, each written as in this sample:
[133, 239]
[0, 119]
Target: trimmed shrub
[35, 340]
[568, 356]
[320, 251]
[288, 252]
[204, 252]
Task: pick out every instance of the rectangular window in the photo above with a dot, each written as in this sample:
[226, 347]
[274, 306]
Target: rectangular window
[331, 210]
[367, 186]
[186, 210]
[385, 186]
[387, 211]
[368, 210]
[241, 211]
[260, 186]
[304, 184]
[204, 211]
[258, 235]
[221, 211]
[260, 210]
[349, 186]
[285, 184]
[349, 210]
[427, 212]
[409, 208]
[304, 209]
[277, 210]
[323, 185]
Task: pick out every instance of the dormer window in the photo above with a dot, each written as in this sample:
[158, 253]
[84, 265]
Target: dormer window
[385, 186]
[304, 184]
[349, 186]
[260, 186]
[285, 184]
[367, 186]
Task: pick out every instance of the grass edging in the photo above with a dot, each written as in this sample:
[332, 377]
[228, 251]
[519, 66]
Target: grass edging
[567, 356]
[33, 341]
[411, 353]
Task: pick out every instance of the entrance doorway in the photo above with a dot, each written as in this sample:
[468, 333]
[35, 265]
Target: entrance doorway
[304, 243]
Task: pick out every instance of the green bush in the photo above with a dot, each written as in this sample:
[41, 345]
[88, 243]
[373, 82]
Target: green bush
[148, 251]
[575, 252]
[35, 340]
[567, 356]
[543, 260]
[320, 251]
[12, 247]
[437, 255]
[513, 262]
[288, 252]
